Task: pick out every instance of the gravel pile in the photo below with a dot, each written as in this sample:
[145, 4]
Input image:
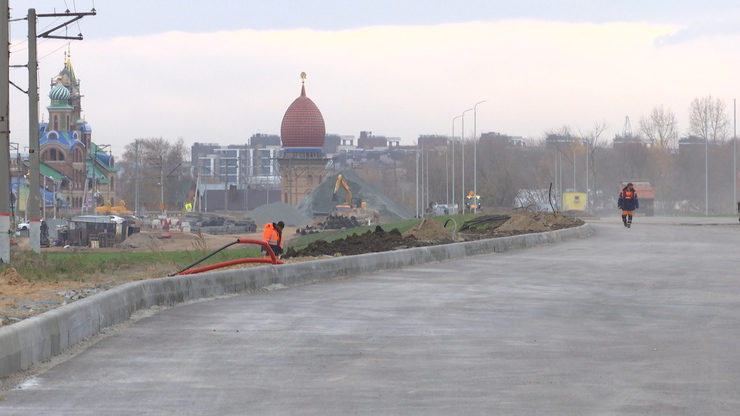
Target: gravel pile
[278, 211]
[320, 200]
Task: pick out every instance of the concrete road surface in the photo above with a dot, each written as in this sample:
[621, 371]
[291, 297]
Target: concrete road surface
[644, 321]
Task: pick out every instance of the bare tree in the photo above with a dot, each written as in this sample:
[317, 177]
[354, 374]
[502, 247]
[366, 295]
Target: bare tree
[593, 146]
[157, 159]
[708, 119]
[660, 127]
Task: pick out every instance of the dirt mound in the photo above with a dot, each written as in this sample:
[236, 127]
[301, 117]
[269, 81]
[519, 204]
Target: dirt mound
[522, 222]
[558, 220]
[369, 242]
[11, 277]
[429, 230]
[491, 226]
[141, 240]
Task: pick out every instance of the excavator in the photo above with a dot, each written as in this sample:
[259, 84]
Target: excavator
[115, 209]
[343, 183]
[353, 207]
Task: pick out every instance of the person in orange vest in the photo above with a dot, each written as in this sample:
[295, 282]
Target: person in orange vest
[628, 203]
[273, 234]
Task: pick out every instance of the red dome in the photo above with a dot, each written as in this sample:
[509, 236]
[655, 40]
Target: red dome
[303, 125]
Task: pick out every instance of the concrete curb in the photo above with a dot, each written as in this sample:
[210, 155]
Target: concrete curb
[39, 338]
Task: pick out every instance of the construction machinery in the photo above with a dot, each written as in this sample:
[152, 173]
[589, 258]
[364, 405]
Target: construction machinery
[107, 208]
[343, 183]
[349, 202]
[353, 207]
[472, 201]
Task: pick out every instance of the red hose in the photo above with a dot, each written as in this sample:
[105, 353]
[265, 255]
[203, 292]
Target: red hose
[272, 260]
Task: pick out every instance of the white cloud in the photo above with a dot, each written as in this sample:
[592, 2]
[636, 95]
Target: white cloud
[393, 80]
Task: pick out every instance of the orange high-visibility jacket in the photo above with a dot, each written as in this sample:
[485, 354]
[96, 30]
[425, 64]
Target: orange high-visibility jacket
[272, 236]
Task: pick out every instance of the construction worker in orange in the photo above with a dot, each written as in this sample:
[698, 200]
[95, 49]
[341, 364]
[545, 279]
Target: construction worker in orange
[273, 235]
[628, 203]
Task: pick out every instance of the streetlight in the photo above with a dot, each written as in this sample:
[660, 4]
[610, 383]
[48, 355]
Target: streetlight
[453, 157]
[475, 154]
[462, 147]
[706, 163]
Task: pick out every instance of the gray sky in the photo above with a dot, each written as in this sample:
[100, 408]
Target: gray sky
[220, 71]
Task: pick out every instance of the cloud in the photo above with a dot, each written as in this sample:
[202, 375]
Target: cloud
[399, 81]
[707, 29]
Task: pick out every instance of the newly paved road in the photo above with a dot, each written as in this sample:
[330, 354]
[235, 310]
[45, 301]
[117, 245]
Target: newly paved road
[644, 321]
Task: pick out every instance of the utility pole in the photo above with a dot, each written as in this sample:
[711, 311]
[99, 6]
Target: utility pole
[34, 196]
[34, 199]
[5, 221]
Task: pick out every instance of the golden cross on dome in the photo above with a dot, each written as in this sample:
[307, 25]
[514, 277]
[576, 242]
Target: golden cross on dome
[303, 77]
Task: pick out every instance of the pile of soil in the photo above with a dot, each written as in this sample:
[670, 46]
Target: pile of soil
[557, 221]
[141, 240]
[522, 222]
[430, 230]
[11, 277]
[369, 242]
[337, 222]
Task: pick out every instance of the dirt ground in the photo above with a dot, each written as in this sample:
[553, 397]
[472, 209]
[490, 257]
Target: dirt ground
[20, 298]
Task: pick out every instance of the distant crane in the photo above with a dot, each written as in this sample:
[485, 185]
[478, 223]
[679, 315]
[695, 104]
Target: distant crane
[627, 127]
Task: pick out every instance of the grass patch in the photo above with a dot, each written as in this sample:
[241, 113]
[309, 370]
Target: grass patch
[83, 266]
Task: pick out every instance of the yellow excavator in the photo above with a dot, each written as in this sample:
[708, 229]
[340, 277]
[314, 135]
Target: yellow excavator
[115, 209]
[343, 183]
[353, 207]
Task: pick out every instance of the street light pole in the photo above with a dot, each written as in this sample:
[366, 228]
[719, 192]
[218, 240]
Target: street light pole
[706, 162]
[447, 176]
[416, 157]
[462, 150]
[453, 158]
[475, 154]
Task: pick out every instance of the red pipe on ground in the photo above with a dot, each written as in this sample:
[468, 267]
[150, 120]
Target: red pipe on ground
[272, 260]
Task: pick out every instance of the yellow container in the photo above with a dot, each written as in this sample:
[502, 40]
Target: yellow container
[575, 201]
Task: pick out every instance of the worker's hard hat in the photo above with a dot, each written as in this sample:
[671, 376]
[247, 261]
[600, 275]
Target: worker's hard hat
[630, 184]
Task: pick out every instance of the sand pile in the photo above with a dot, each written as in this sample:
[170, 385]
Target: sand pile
[429, 230]
[141, 240]
[11, 277]
[522, 222]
